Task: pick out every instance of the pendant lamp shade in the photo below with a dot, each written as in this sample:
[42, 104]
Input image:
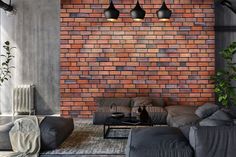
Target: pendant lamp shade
[111, 13]
[138, 13]
[164, 13]
[6, 7]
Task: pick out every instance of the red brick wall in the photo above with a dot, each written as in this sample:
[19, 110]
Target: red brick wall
[173, 60]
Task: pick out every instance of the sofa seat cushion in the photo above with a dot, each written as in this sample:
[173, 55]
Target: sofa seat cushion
[183, 120]
[54, 130]
[157, 142]
[213, 141]
[179, 116]
[5, 143]
[180, 110]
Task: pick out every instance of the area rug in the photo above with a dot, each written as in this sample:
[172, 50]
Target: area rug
[87, 139]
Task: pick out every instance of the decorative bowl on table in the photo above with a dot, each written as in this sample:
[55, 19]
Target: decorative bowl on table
[117, 114]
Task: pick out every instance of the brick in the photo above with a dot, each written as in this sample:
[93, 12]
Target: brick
[173, 60]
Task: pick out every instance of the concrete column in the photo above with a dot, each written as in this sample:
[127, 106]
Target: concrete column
[35, 32]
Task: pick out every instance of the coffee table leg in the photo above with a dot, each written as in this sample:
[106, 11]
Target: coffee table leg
[106, 131]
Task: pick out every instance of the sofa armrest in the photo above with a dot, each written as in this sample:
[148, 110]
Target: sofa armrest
[215, 141]
[5, 143]
[54, 131]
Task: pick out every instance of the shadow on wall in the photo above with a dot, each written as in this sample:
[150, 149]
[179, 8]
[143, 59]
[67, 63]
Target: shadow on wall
[42, 109]
[6, 92]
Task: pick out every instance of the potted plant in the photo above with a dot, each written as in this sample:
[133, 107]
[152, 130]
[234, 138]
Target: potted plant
[5, 63]
[223, 79]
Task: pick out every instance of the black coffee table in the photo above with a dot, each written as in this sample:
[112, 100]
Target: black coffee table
[112, 123]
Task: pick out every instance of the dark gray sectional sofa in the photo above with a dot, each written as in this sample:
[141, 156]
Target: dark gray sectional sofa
[189, 131]
[127, 105]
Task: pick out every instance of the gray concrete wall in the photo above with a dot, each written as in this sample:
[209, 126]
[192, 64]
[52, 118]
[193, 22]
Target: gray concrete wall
[35, 31]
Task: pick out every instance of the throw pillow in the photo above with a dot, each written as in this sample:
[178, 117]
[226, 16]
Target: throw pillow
[215, 122]
[158, 102]
[206, 110]
[141, 101]
[220, 115]
[219, 118]
[231, 111]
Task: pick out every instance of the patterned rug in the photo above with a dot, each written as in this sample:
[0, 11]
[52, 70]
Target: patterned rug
[87, 139]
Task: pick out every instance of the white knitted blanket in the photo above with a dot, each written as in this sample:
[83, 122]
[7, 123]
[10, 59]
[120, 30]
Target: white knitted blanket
[25, 137]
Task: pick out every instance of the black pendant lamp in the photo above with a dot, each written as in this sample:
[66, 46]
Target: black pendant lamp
[138, 13]
[228, 4]
[164, 13]
[111, 13]
[6, 7]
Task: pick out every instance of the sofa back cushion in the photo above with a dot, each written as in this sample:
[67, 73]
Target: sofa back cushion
[158, 102]
[5, 143]
[206, 110]
[114, 105]
[213, 141]
[113, 101]
[181, 115]
[147, 101]
[178, 110]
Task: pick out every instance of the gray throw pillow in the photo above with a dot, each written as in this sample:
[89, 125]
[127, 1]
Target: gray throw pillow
[219, 118]
[215, 122]
[220, 115]
[158, 102]
[141, 101]
[206, 110]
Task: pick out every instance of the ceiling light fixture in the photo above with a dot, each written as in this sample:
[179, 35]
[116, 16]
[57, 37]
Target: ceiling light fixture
[164, 13]
[111, 13]
[138, 13]
[6, 7]
[227, 4]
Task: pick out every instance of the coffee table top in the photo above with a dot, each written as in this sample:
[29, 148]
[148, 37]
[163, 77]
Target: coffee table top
[126, 121]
